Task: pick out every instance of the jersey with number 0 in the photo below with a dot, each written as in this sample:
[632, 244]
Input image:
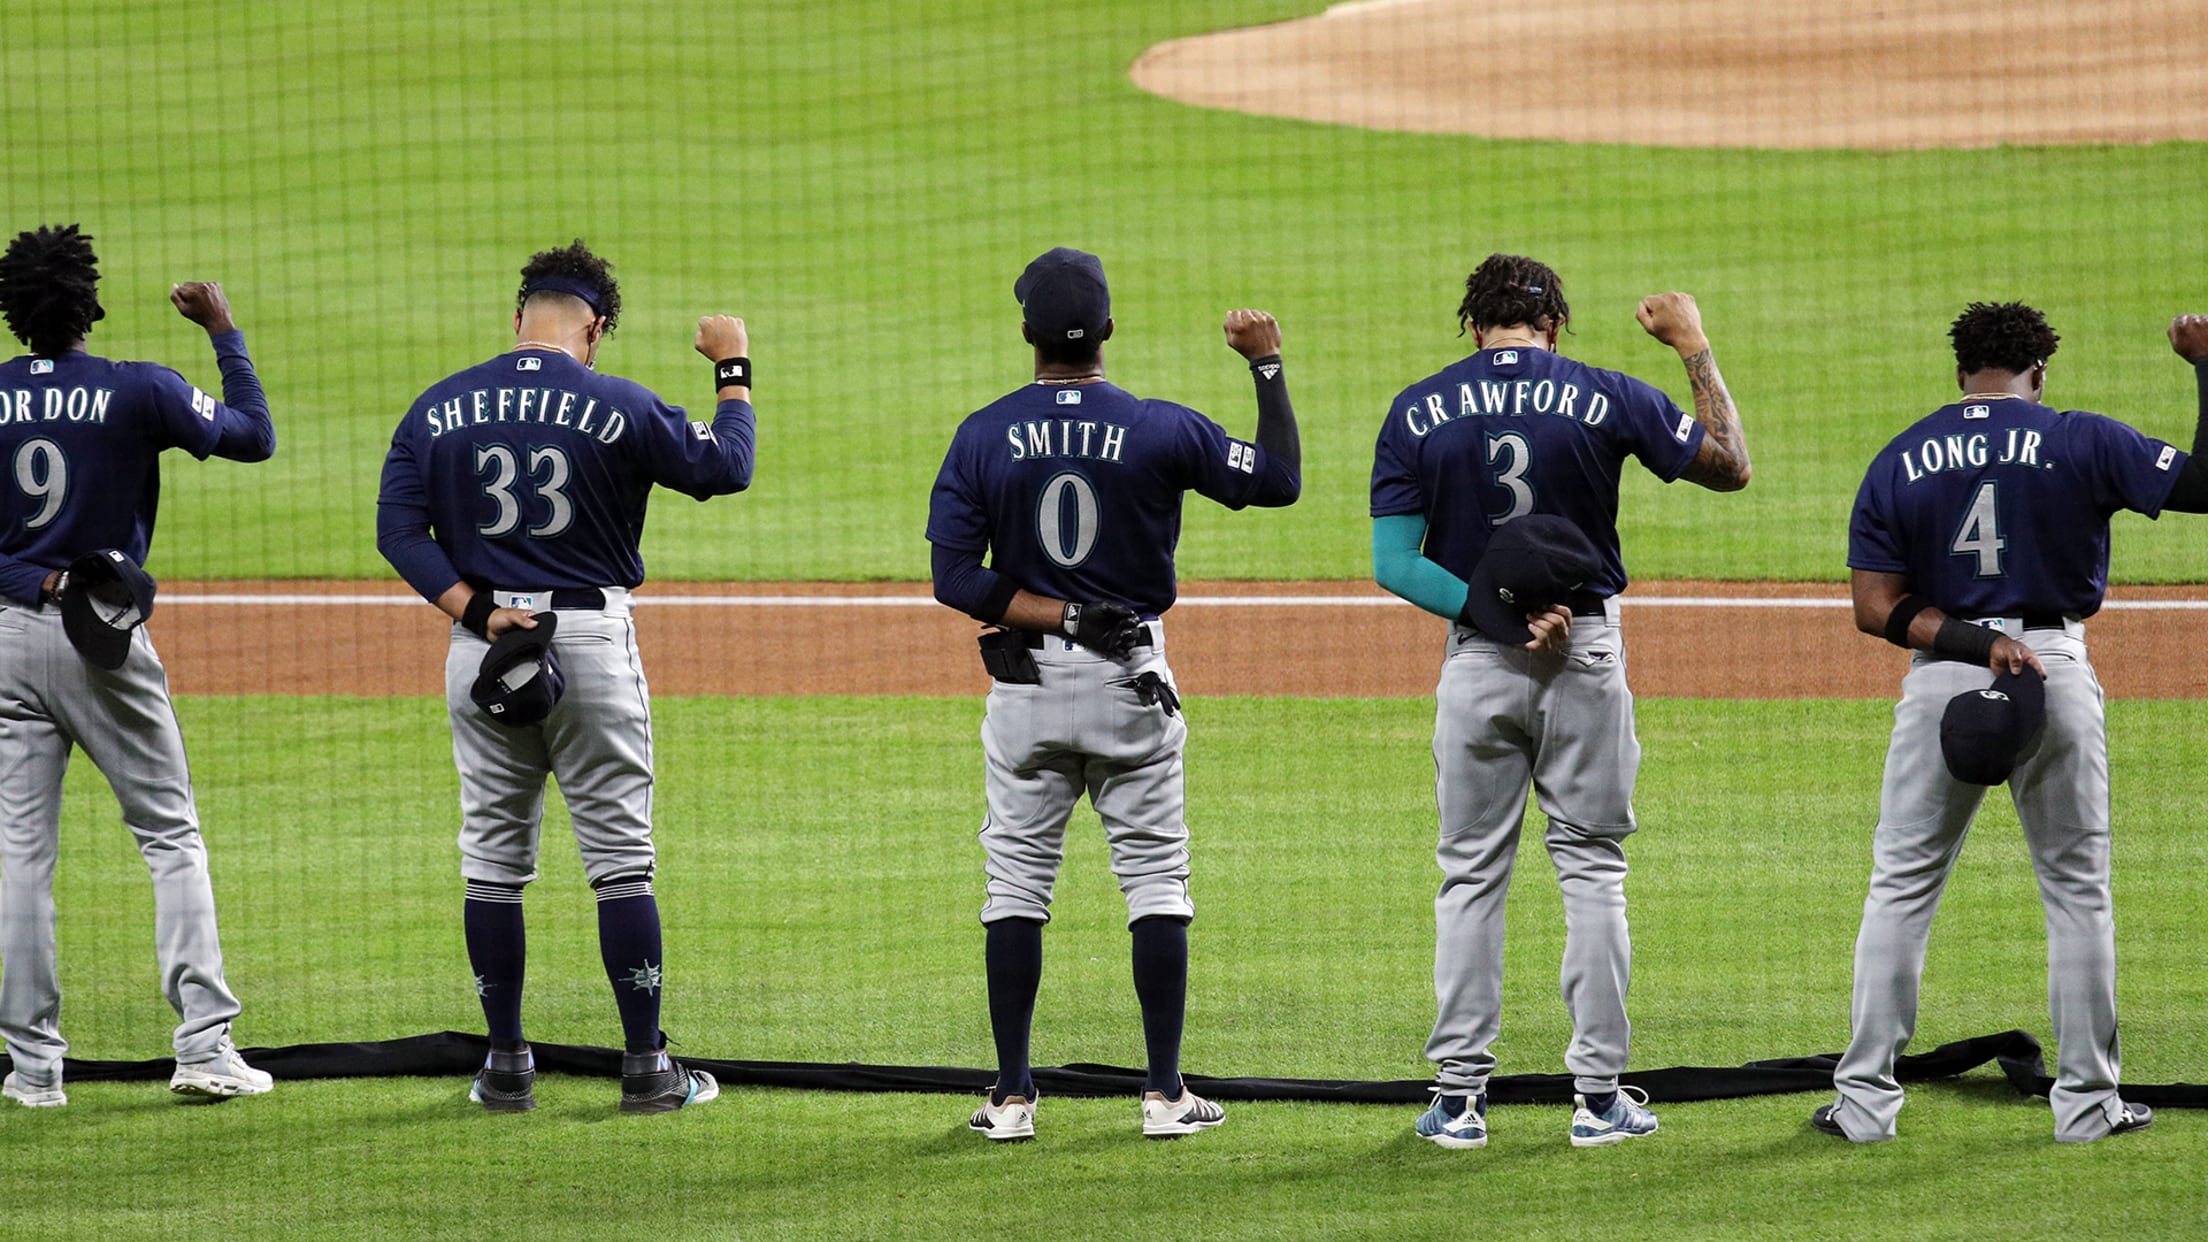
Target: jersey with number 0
[80, 444]
[1997, 508]
[533, 470]
[1508, 432]
[1075, 491]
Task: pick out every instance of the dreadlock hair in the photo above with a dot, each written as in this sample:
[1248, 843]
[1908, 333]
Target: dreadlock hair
[49, 288]
[575, 262]
[1509, 288]
[2007, 335]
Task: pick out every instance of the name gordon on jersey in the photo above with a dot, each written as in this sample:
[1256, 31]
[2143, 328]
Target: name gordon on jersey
[1505, 399]
[77, 405]
[1963, 452]
[1062, 437]
[549, 407]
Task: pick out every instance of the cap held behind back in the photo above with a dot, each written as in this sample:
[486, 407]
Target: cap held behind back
[1063, 296]
[107, 597]
[519, 681]
[1530, 564]
[1983, 732]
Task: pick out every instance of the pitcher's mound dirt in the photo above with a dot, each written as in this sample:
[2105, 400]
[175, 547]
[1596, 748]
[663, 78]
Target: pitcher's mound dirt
[1719, 73]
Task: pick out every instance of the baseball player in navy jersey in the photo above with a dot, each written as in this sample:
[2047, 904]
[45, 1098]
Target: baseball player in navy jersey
[1979, 543]
[1534, 689]
[514, 496]
[80, 443]
[1072, 486]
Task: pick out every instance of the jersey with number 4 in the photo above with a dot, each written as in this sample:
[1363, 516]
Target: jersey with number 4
[1998, 508]
[1074, 491]
[1508, 432]
[533, 471]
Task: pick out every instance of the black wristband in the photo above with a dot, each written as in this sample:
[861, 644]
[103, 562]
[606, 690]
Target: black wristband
[1266, 368]
[478, 613]
[1897, 621]
[1069, 621]
[732, 371]
[1964, 642]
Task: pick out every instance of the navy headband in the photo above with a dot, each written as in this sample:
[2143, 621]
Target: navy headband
[568, 285]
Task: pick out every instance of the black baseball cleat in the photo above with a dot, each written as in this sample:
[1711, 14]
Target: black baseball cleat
[1826, 1120]
[653, 1082]
[507, 1083]
[2133, 1117]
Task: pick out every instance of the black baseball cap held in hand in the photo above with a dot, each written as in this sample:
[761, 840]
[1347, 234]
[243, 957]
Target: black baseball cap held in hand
[1063, 296]
[106, 598]
[1984, 731]
[1530, 564]
[519, 682]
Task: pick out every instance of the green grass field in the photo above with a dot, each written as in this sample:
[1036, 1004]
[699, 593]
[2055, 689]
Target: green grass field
[820, 902]
[864, 180]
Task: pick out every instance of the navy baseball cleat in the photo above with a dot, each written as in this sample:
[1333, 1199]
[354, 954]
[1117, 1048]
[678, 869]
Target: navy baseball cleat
[1002, 1123]
[507, 1083]
[1163, 1118]
[1625, 1118]
[653, 1082]
[1466, 1128]
[1826, 1120]
[2134, 1117]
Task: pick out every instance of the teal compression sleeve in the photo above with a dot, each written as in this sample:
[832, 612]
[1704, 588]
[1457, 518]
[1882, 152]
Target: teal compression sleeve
[1399, 564]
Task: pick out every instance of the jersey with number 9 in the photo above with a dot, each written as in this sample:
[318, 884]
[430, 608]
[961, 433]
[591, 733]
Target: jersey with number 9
[2000, 507]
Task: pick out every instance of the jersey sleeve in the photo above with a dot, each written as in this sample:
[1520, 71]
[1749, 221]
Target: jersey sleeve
[1215, 465]
[403, 521]
[1874, 541]
[180, 415]
[1396, 491]
[699, 459]
[956, 518]
[1653, 428]
[2129, 469]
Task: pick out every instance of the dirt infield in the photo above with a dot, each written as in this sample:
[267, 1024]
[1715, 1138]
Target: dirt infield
[1703, 639]
[1717, 73]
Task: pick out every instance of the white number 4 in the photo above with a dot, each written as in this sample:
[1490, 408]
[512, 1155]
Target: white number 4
[1980, 534]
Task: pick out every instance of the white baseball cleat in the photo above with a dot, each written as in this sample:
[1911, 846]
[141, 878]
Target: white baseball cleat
[225, 1075]
[30, 1095]
[1626, 1118]
[1001, 1123]
[1163, 1118]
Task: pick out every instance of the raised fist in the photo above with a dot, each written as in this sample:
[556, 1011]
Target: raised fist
[201, 301]
[722, 336]
[1674, 319]
[1253, 333]
[2189, 337]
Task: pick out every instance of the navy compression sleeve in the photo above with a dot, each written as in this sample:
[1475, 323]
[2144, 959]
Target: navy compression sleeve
[251, 435]
[2190, 493]
[964, 583]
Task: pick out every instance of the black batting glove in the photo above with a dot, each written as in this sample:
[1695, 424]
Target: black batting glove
[1108, 629]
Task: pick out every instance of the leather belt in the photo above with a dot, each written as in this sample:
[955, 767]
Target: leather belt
[1036, 640]
[576, 599]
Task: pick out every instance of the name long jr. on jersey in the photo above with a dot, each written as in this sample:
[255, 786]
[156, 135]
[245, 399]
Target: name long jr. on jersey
[1935, 454]
[489, 406]
[1505, 399]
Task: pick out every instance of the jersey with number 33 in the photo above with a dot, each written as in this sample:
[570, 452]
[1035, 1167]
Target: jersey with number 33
[1075, 491]
[1508, 432]
[533, 471]
[1998, 508]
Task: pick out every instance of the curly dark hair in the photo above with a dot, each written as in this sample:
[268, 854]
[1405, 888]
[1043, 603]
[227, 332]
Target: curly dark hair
[575, 262]
[49, 288]
[1511, 288]
[2007, 335]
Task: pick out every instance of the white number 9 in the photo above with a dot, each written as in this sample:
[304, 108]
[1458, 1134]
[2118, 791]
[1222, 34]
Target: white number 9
[42, 473]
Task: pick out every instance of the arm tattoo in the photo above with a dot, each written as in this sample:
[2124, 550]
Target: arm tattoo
[1722, 461]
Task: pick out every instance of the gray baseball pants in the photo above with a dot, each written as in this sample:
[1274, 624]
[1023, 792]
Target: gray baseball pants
[2060, 788]
[50, 701]
[597, 743]
[1078, 732]
[1505, 717]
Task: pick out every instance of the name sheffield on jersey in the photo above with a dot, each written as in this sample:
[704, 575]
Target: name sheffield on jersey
[550, 407]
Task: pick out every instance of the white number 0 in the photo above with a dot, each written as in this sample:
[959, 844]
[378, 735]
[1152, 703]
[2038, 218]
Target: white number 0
[1068, 547]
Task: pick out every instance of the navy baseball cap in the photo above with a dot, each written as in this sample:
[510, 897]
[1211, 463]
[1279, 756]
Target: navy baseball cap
[1063, 296]
[519, 682]
[1984, 731]
[1528, 565]
[107, 597]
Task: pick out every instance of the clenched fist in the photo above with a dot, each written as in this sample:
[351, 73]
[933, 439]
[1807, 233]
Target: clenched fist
[2189, 337]
[722, 336]
[1674, 319]
[1253, 333]
[201, 301]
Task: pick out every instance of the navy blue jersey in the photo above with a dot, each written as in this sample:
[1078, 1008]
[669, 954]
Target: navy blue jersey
[1074, 492]
[531, 471]
[1507, 432]
[1998, 508]
[80, 445]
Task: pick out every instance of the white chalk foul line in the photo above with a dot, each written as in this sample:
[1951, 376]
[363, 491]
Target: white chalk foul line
[1186, 601]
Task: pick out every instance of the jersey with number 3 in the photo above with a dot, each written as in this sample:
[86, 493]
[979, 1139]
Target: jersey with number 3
[1998, 508]
[1074, 492]
[1508, 432]
[533, 470]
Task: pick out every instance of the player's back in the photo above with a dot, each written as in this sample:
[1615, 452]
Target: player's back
[2001, 507]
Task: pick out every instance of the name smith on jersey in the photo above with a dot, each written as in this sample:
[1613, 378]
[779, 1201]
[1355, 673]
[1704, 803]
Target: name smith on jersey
[1102, 441]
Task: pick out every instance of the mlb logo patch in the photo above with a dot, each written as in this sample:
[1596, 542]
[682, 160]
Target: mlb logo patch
[2169, 454]
[527, 363]
[1069, 396]
[1507, 358]
[1977, 411]
[1684, 429]
[701, 431]
[42, 366]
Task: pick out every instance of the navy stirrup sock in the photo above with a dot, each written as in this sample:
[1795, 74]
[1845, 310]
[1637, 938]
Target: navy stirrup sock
[497, 953]
[1600, 1104]
[628, 943]
[1161, 984]
[1015, 958]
